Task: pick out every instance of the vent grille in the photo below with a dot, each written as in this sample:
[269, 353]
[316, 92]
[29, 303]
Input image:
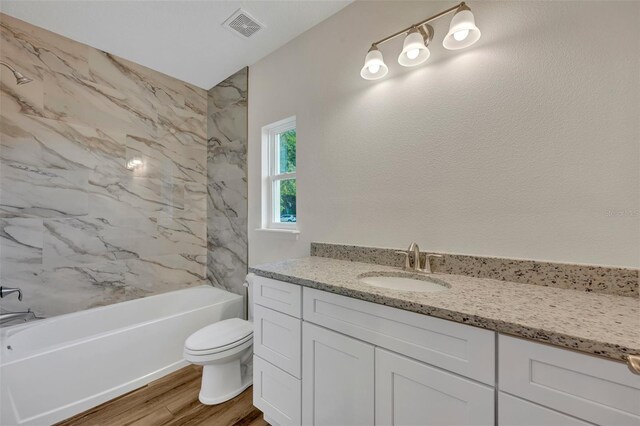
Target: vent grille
[242, 24]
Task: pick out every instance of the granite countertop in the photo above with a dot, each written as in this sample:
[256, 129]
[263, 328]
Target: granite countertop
[600, 324]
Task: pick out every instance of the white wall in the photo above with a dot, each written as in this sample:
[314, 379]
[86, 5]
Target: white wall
[519, 146]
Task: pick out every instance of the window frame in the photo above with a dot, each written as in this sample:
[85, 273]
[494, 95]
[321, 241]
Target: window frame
[271, 157]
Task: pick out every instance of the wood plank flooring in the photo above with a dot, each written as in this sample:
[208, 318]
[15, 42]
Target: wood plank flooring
[171, 400]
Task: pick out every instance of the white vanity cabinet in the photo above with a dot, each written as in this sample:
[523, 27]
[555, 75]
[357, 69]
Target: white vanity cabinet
[327, 359]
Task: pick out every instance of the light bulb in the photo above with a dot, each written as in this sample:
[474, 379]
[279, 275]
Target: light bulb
[461, 35]
[374, 68]
[413, 53]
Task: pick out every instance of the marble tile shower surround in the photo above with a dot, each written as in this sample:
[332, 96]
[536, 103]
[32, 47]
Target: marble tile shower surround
[78, 229]
[597, 279]
[227, 183]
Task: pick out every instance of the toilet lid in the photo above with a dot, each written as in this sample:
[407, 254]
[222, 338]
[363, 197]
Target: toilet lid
[219, 334]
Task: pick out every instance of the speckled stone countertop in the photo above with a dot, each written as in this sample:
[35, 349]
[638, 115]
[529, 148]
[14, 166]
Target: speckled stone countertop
[599, 324]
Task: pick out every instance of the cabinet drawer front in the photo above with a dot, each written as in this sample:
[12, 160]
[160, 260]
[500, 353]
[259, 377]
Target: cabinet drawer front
[590, 388]
[277, 295]
[277, 339]
[276, 393]
[463, 349]
[514, 411]
[408, 392]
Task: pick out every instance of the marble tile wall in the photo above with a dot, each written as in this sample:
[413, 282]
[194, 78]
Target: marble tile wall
[77, 228]
[227, 182]
[589, 278]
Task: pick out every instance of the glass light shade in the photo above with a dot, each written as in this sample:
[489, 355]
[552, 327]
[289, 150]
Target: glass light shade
[462, 31]
[374, 66]
[414, 51]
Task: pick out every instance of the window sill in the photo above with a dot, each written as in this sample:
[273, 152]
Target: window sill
[283, 232]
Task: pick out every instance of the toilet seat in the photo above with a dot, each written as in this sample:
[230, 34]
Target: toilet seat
[219, 337]
[212, 351]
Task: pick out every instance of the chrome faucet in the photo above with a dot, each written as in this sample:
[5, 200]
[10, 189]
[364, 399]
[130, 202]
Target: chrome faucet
[413, 248]
[13, 316]
[5, 291]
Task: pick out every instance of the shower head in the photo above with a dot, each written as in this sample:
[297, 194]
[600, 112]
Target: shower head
[20, 79]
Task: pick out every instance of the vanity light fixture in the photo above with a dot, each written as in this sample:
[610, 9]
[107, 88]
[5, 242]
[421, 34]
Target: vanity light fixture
[463, 32]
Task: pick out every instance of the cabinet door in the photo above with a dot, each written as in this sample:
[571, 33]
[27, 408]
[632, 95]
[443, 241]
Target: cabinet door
[337, 380]
[408, 392]
[593, 389]
[276, 393]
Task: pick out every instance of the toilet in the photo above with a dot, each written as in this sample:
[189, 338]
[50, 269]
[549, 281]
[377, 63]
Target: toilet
[225, 350]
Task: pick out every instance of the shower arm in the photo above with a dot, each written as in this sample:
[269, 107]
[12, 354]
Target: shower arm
[20, 79]
[13, 70]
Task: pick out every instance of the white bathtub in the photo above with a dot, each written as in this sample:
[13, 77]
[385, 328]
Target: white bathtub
[53, 369]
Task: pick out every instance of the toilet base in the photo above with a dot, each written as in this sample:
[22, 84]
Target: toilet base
[221, 382]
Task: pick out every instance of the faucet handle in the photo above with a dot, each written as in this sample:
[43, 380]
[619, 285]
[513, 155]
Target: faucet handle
[427, 261]
[407, 261]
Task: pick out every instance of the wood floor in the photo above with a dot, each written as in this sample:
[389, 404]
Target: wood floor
[171, 400]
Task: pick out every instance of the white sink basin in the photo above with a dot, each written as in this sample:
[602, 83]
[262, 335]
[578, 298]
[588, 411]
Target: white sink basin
[404, 282]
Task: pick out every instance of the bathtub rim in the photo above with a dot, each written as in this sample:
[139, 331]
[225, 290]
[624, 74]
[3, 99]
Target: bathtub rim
[7, 332]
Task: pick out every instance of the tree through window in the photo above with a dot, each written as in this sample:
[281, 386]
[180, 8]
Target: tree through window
[280, 189]
[288, 186]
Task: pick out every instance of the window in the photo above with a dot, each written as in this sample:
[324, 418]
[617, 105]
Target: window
[279, 172]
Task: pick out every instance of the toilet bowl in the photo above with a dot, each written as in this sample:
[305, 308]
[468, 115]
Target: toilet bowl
[225, 351]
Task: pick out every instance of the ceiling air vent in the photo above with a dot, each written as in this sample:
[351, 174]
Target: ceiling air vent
[242, 24]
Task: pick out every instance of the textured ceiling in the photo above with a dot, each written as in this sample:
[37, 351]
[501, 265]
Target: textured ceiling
[184, 39]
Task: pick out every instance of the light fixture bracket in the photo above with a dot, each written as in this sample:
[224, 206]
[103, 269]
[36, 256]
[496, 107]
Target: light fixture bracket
[427, 33]
[421, 23]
